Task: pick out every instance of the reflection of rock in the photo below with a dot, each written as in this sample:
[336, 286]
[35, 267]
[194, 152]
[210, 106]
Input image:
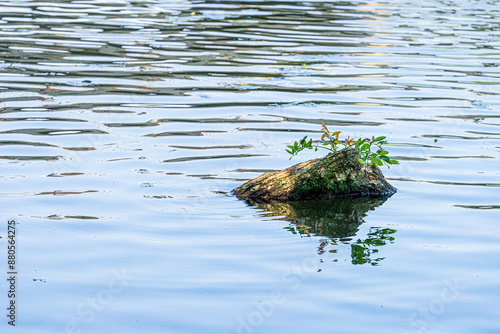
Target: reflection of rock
[334, 218]
[338, 174]
[338, 220]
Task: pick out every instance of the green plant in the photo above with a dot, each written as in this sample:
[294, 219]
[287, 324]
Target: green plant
[370, 150]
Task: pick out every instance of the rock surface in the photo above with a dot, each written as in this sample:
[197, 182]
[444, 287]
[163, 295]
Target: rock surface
[338, 174]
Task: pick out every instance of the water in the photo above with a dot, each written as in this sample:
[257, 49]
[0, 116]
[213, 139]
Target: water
[124, 124]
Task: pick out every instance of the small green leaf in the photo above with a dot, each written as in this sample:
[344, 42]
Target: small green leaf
[358, 142]
[365, 147]
[377, 161]
[382, 152]
[393, 162]
[379, 138]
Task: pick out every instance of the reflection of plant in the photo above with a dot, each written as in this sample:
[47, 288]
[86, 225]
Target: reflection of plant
[363, 146]
[362, 250]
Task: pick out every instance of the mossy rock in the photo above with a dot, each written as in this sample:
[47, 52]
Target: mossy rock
[338, 174]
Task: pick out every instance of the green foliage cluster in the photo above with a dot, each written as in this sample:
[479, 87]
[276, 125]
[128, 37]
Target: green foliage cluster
[370, 150]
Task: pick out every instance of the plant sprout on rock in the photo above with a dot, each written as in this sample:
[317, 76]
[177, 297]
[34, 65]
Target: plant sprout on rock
[370, 151]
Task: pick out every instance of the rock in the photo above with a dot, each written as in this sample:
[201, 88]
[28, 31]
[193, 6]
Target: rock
[338, 174]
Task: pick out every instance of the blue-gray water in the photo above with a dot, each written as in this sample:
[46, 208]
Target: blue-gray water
[124, 123]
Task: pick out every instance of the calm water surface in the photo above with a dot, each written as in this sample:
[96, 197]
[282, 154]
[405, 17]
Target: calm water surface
[124, 124]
